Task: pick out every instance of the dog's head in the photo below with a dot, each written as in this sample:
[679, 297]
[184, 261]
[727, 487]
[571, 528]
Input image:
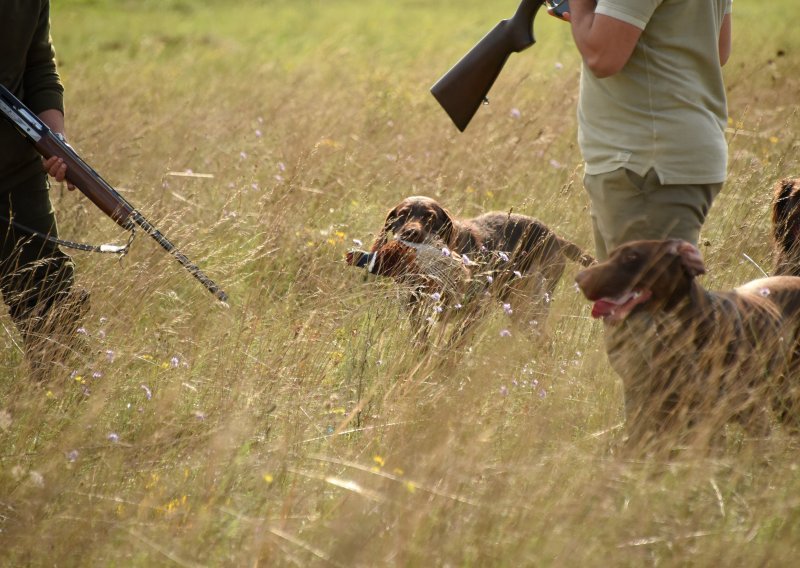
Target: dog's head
[416, 219]
[650, 274]
[786, 214]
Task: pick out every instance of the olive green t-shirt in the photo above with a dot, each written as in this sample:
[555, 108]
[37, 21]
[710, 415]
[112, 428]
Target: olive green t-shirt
[27, 69]
[666, 109]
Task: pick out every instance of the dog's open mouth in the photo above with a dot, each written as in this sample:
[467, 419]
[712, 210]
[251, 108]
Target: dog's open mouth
[614, 310]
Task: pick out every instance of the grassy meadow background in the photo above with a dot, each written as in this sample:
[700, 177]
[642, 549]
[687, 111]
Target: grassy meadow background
[298, 426]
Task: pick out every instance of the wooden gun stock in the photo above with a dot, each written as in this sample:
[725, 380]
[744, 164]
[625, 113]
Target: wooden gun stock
[463, 89]
[82, 176]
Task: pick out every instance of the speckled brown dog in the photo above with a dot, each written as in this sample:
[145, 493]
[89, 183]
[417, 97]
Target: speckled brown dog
[520, 255]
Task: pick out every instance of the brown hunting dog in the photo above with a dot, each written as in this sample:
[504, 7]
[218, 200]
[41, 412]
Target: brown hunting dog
[521, 257]
[786, 227]
[692, 360]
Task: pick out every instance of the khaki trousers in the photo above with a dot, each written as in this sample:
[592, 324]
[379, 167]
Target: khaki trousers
[627, 207]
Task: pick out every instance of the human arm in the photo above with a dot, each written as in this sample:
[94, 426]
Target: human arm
[605, 43]
[44, 93]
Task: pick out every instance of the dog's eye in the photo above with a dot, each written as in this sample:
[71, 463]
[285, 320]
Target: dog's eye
[630, 258]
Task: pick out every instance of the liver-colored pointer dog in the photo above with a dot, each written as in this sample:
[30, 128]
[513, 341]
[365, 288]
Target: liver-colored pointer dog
[692, 360]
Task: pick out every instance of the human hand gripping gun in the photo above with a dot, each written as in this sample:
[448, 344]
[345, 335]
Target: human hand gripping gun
[464, 88]
[89, 182]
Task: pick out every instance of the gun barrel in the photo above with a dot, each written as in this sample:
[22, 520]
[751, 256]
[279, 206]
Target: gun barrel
[193, 269]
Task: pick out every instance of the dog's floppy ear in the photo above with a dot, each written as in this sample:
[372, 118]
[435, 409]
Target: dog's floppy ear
[691, 259]
[445, 230]
[382, 237]
[785, 225]
[780, 205]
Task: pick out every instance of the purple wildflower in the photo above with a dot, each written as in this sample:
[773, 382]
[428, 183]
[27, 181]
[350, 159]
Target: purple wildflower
[147, 392]
[507, 309]
[113, 437]
[505, 333]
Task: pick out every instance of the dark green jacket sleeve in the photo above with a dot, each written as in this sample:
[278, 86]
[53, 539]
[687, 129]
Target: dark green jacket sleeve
[41, 83]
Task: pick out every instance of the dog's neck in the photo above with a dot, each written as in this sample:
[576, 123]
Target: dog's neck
[464, 239]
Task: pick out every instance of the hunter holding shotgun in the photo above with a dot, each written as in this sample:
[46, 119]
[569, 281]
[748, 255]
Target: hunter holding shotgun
[36, 277]
[651, 114]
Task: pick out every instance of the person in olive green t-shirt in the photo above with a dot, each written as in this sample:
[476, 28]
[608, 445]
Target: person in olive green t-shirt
[36, 277]
[652, 114]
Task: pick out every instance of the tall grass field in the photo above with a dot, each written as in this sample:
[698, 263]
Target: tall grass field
[300, 425]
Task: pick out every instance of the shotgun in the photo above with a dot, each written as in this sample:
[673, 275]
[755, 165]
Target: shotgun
[463, 89]
[82, 176]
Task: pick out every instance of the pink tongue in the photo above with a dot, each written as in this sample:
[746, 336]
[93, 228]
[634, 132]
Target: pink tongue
[602, 308]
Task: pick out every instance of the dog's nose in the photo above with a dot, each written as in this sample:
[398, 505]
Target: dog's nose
[581, 279]
[412, 233]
